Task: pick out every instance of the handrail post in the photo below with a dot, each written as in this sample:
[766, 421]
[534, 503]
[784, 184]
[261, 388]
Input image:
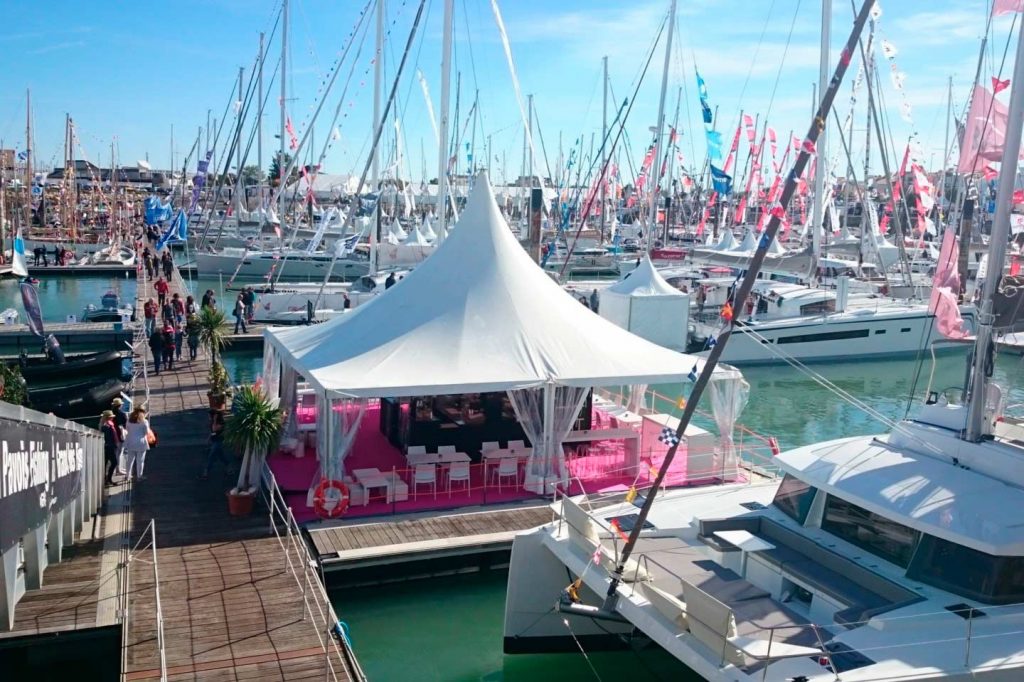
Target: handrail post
[970, 632]
[768, 655]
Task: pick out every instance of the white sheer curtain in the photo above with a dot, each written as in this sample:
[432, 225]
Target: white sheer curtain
[271, 371]
[346, 416]
[289, 400]
[547, 415]
[637, 398]
[728, 398]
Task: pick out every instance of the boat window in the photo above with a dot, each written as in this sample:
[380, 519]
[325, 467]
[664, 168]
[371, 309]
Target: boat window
[968, 572]
[794, 498]
[883, 537]
[818, 307]
[829, 336]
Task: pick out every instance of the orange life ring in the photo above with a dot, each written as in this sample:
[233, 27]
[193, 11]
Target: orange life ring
[320, 498]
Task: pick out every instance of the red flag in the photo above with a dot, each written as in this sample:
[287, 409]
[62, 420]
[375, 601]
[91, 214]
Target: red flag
[614, 523]
[1007, 6]
[1018, 197]
[984, 132]
[998, 85]
[293, 141]
[988, 172]
[727, 312]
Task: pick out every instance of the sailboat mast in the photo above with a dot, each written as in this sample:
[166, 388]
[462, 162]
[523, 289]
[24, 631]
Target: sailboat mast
[670, 157]
[28, 158]
[604, 145]
[442, 125]
[284, 114]
[378, 83]
[818, 209]
[652, 221]
[259, 126]
[997, 248]
[238, 147]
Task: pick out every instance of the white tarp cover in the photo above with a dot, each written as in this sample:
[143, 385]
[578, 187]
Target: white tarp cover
[749, 243]
[645, 304]
[478, 315]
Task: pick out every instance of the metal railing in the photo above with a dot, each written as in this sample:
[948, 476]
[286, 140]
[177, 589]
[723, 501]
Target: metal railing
[331, 633]
[137, 552]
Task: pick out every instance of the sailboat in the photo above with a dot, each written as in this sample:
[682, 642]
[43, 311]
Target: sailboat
[895, 556]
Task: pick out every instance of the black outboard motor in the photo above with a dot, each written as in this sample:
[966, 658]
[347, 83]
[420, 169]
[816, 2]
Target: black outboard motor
[53, 350]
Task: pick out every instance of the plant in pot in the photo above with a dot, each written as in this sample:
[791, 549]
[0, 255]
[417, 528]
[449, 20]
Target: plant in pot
[213, 337]
[253, 429]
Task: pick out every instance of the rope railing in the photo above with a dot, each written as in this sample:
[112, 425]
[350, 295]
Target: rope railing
[331, 632]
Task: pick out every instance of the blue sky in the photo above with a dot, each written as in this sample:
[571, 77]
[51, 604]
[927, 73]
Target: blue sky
[128, 71]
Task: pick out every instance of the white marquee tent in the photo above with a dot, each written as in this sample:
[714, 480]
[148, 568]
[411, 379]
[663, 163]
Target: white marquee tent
[477, 316]
[645, 304]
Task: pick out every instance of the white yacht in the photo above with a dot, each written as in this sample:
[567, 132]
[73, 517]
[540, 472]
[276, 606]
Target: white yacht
[297, 265]
[291, 303]
[872, 558]
[814, 325]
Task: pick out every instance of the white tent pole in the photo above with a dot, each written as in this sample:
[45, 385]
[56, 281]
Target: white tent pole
[549, 435]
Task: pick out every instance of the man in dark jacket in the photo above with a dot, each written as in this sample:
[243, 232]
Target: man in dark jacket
[156, 345]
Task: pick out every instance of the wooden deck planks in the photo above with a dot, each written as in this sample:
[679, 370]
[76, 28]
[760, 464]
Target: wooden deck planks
[329, 541]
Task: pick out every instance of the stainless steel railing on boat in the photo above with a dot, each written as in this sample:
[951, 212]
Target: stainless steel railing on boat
[138, 553]
[316, 605]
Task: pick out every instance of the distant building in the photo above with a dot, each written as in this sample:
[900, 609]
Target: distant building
[7, 159]
[89, 175]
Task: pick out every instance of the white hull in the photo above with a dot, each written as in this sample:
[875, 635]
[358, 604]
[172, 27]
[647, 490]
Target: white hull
[261, 265]
[857, 335]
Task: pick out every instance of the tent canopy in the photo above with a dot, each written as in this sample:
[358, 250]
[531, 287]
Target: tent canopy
[478, 315]
[644, 280]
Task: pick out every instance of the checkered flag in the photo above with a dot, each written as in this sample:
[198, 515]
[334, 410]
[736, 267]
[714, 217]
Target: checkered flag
[668, 437]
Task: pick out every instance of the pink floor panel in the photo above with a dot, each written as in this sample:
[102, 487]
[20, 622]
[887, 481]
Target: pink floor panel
[600, 466]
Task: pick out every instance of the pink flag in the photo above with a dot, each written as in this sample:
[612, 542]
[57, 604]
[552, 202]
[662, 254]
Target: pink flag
[1007, 6]
[998, 85]
[748, 123]
[946, 289]
[984, 132]
[293, 141]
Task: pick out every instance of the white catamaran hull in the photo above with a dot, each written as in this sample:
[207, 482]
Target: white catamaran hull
[294, 268]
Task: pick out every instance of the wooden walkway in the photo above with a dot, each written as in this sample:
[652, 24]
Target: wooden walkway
[457, 533]
[232, 608]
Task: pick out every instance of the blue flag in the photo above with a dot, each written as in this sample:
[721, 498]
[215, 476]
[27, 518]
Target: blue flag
[714, 139]
[706, 111]
[702, 89]
[721, 181]
[170, 235]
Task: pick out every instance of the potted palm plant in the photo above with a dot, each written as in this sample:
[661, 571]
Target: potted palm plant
[213, 337]
[253, 429]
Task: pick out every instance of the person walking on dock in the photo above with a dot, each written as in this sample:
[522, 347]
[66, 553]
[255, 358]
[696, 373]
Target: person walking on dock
[190, 307]
[156, 345]
[168, 264]
[121, 422]
[250, 304]
[169, 336]
[178, 307]
[149, 310]
[209, 301]
[216, 451]
[240, 314]
[136, 443]
[192, 331]
[111, 443]
[162, 287]
[147, 260]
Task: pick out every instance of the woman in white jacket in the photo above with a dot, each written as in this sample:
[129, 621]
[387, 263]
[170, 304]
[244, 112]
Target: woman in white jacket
[136, 443]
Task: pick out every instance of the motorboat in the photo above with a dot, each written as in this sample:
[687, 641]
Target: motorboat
[110, 310]
[41, 371]
[81, 399]
[292, 303]
[113, 255]
[786, 322]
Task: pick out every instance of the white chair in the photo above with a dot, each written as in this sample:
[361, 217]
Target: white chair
[514, 445]
[508, 467]
[459, 471]
[446, 450]
[489, 446]
[416, 450]
[424, 474]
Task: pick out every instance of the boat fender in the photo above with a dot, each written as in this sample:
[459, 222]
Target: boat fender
[773, 443]
[320, 499]
[340, 632]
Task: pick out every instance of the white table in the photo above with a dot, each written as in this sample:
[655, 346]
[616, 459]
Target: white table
[437, 458]
[746, 541]
[491, 456]
[373, 478]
